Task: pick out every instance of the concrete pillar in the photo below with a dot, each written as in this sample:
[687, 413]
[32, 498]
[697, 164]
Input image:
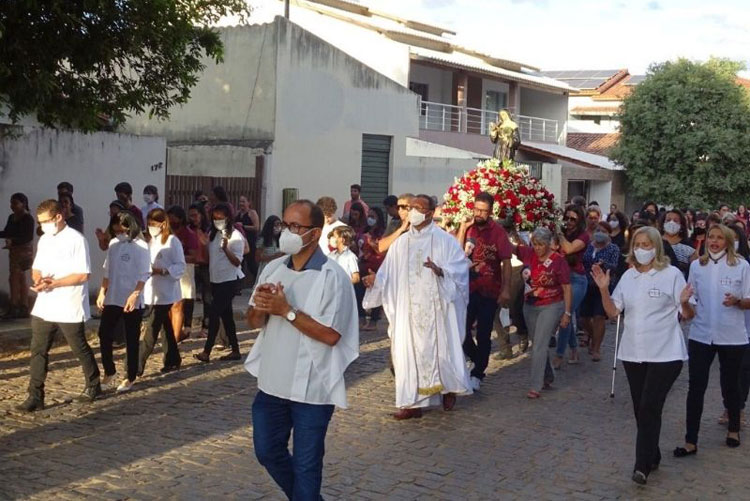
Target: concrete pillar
[514, 98]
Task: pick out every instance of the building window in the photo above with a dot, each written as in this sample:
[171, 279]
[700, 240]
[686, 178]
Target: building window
[535, 169]
[422, 90]
[495, 100]
[576, 188]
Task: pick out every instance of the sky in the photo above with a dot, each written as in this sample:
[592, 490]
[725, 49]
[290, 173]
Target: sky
[586, 35]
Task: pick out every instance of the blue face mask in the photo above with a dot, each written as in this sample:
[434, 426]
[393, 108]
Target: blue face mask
[600, 237]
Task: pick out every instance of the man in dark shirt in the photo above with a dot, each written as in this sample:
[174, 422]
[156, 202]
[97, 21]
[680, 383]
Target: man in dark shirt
[487, 245]
[124, 193]
[65, 188]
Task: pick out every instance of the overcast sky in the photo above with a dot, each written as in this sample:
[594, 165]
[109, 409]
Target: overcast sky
[578, 34]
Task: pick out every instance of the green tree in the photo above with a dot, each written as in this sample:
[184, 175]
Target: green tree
[73, 63]
[685, 135]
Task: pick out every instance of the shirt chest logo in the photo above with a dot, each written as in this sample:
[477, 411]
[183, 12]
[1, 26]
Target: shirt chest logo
[654, 292]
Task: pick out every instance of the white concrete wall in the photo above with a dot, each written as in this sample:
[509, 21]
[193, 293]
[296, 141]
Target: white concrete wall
[37, 161]
[233, 101]
[367, 46]
[326, 100]
[212, 160]
[601, 192]
[430, 175]
[535, 103]
[552, 179]
[440, 82]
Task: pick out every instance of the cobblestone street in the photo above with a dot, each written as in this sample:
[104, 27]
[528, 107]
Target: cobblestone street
[187, 435]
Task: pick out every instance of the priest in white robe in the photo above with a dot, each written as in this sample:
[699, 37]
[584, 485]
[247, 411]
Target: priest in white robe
[423, 286]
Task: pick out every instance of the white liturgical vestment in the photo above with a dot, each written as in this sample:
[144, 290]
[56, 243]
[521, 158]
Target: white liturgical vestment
[426, 315]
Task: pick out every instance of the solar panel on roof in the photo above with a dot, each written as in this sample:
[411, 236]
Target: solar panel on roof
[635, 79]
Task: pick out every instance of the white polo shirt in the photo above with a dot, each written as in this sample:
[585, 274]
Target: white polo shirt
[165, 289]
[126, 264]
[347, 260]
[57, 256]
[220, 268]
[715, 323]
[650, 303]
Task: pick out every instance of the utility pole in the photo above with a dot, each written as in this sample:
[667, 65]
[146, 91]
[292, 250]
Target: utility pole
[286, 9]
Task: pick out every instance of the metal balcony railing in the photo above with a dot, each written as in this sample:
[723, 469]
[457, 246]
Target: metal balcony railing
[450, 118]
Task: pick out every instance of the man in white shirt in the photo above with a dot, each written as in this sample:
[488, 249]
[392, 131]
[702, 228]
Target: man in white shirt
[60, 274]
[329, 207]
[307, 310]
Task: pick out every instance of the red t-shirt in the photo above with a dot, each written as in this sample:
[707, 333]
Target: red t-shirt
[188, 239]
[137, 214]
[547, 278]
[575, 260]
[491, 246]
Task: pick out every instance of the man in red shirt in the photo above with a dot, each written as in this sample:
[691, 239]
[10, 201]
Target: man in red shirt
[354, 191]
[487, 245]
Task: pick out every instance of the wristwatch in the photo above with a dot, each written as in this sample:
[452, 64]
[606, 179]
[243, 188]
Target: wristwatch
[291, 316]
[567, 313]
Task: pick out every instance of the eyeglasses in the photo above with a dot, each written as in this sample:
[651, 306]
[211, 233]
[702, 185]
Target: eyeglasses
[403, 206]
[294, 227]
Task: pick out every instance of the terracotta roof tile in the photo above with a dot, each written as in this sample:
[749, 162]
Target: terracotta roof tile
[598, 144]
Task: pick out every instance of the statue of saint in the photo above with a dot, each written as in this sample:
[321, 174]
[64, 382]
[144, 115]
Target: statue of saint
[506, 136]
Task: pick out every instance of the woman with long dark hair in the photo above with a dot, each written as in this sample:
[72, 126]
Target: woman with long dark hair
[267, 246]
[162, 289]
[573, 242]
[181, 314]
[199, 224]
[673, 227]
[19, 235]
[225, 249]
[370, 260]
[358, 222]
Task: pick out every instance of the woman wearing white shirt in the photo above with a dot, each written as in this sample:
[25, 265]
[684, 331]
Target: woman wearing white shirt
[162, 289]
[225, 250]
[126, 269]
[721, 281]
[652, 349]
[151, 200]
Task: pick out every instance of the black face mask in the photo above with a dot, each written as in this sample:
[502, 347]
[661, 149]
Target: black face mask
[699, 231]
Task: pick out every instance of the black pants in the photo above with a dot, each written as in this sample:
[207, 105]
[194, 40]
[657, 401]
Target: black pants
[482, 309]
[111, 317]
[157, 319]
[188, 307]
[730, 361]
[42, 335]
[650, 383]
[203, 284]
[221, 311]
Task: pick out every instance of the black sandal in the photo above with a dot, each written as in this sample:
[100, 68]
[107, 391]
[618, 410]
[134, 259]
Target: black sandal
[733, 442]
[681, 452]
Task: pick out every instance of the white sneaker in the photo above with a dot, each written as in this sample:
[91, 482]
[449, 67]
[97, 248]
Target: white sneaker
[126, 385]
[108, 382]
[475, 383]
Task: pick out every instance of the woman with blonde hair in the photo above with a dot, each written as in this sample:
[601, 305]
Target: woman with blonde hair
[721, 281]
[652, 294]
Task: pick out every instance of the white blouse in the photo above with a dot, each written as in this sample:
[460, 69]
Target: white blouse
[165, 289]
[126, 264]
[220, 269]
[715, 323]
[650, 303]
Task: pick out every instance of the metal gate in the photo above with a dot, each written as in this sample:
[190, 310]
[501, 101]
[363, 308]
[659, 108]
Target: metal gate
[180, 190]
[376, 161]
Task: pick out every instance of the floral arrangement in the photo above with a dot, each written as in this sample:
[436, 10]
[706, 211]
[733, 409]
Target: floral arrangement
[517, 195]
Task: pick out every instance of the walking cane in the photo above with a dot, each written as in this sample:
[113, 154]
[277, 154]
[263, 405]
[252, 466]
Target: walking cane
[614, 362]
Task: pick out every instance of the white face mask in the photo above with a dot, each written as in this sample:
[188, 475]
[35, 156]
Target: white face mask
[644, 256]
[416, 218]
[49, 228]
[614, 224]
[371, 221]
[716, 255]
[122, 237]
[148, 198]
[333, 243]
[291, 243]
[154, 231]
[220, 224]
[672, 228]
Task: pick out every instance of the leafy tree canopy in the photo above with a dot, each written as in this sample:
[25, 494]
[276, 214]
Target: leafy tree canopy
[73, 62]
[685, 134]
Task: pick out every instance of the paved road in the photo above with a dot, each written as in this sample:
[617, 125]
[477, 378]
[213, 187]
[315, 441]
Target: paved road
[187, 435]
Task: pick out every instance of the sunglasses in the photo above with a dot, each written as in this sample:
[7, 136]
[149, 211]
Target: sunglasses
[403, 206]
[570, 219]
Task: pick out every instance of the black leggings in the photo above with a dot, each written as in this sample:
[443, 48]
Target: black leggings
[111, 316]
[221, 311]
[159, 319]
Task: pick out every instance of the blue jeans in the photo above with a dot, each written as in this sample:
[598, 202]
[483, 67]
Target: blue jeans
[298, 474]
[579, 284]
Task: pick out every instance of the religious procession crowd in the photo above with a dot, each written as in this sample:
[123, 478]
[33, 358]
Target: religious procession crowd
[443, 288]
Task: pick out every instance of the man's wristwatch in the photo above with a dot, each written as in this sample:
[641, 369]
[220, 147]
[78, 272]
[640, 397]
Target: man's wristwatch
[567, 313]
[291, 315]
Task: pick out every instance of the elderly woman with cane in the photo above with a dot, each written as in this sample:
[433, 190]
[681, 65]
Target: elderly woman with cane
[546, 305]
[721, 281]
[652, 294]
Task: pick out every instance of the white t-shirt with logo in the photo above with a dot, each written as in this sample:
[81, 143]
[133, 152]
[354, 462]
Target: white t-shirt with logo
[127, 263]
[165, 289]
[57, 256]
